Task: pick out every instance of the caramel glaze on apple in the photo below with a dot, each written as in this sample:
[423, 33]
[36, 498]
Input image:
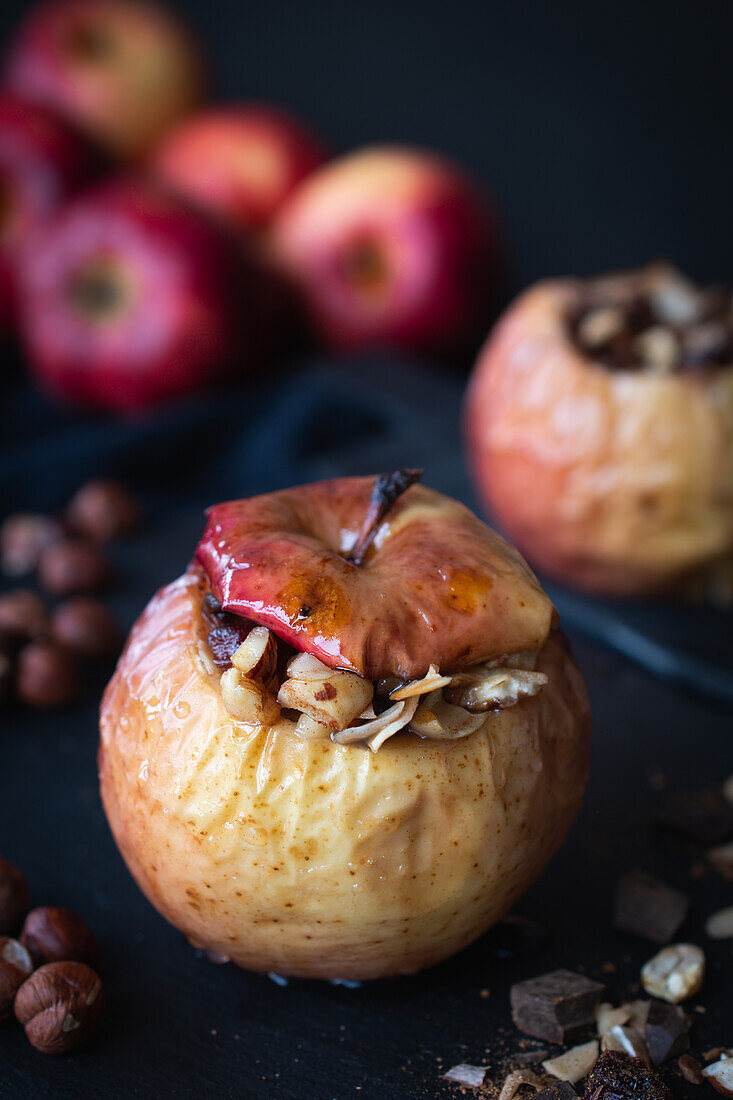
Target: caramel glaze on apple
[436, 587]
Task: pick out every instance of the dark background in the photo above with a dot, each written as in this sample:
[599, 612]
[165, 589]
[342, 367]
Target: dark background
[602, 129]
[604, 133]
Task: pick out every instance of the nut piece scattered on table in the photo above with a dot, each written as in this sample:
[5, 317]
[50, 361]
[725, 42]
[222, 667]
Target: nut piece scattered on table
[720, 1075]
[647, 907]
[60, 1005]
[627, 1039]
[102, 510]
[575, 1063]
[719, 926]
[13, 897]
[85, 626]
[47, 675]
[675, 973]
[559, 1006]
[72, 566]
[15, 966]
[53, 934]
[23, 538]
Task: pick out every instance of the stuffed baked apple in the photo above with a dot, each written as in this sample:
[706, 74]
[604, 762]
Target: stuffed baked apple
[600, 431]
[349, 737]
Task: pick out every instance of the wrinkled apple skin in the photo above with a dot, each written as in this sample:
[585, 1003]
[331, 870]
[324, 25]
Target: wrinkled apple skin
[122, 70]
[437, 586]
[609, 480]
[320, 860]
[194, 302]
[429, 230]
[43, 161]
[240, 162]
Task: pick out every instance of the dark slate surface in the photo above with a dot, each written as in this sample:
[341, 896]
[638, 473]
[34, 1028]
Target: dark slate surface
[177, 1024]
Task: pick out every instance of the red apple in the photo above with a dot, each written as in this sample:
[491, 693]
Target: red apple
[129, 297]
[122, 70]
[42, 162]
[390, 246]
[289, 561]
[241, 162]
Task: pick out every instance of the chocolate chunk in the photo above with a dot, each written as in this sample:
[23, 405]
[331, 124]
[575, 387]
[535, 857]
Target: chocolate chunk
[616, 1076]
[559, 1006]
[704, 817]
[645, 906]
[666, 1031]
[558, 1090]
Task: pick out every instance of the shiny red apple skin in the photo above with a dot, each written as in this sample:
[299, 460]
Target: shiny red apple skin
[122, 70]
[436, 587]
[43, 161]
[241, 162]
[191, 303]
[391, 246]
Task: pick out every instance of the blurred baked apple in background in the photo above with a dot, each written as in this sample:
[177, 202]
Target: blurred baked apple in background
[599, 426]
[390, 246]
[129, 297]
[122, 70]
[240, 161]
[42, 162]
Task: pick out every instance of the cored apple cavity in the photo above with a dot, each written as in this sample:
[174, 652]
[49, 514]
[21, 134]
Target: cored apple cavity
[370, 580]
[654, 320]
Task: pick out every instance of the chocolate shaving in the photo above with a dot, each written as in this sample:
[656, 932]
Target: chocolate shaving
[387, 489]
[616, 1076]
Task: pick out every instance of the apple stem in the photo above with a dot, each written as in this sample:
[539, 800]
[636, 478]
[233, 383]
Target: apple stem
[387, 488]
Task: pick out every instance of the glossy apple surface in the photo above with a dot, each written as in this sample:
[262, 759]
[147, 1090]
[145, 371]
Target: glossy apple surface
[436, 587]
[241, 162]
[321, 860]
[128, 297]
[122, 70]
[42, 163]
[615, 481]
[390, 246]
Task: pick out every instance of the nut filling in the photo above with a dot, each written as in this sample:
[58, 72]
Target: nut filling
[266, 682]
[654, 320]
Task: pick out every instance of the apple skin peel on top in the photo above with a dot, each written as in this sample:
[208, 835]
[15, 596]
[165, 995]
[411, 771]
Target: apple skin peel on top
[273, 813]
[436, 587]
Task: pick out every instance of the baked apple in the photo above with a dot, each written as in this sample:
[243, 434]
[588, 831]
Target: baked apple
[599, 425]
[348, 738]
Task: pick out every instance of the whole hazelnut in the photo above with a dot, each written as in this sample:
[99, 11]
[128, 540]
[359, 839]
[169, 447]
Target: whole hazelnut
[52, 934]
[15, 967]
[72, 566]
[13, 897]
[23, 616]
[60, 1006]
[46, 676]
[86, 627]
[23, 538]
[102, 510]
